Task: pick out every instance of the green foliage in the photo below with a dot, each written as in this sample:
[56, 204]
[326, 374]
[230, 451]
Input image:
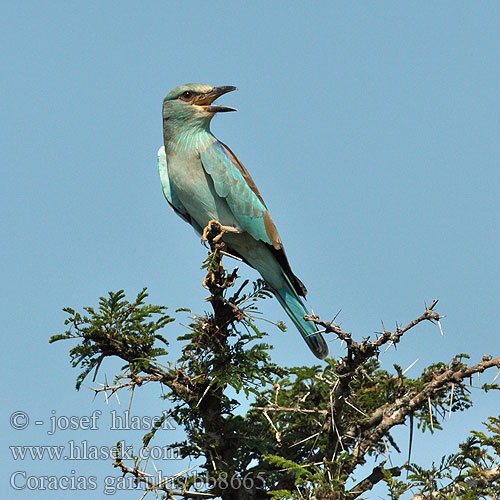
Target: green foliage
[117, 328]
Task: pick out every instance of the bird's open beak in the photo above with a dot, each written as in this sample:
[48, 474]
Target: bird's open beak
[206, 99]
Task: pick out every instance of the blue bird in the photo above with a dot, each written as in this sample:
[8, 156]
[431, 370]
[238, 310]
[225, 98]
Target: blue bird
[203, 180]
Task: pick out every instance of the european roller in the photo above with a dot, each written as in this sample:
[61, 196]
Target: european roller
[203, 180]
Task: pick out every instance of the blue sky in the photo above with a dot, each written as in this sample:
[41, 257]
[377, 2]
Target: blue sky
[371, 130]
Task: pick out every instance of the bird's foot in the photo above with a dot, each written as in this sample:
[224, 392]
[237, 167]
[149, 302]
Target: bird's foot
[215, 230]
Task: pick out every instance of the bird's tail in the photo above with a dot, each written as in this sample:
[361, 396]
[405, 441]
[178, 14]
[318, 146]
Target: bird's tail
[295, 308]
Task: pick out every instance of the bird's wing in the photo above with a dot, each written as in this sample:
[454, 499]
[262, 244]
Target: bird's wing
[233, 182]
[168, 192]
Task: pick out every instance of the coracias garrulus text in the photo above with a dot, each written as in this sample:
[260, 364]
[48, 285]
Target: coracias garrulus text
[203, 180]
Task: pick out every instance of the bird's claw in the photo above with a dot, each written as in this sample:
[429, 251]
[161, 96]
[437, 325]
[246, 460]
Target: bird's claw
[215, 228]
[206, 283]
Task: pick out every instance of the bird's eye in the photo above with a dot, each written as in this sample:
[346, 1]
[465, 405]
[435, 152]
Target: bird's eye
[186, 95]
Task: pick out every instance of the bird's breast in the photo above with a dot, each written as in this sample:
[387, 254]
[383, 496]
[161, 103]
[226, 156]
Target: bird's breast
[195, 189]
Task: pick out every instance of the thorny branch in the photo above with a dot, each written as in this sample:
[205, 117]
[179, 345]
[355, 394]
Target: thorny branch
[359, 353]
[349, 366]
[384, 418]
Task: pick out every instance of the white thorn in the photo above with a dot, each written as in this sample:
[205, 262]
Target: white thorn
[411, 366]
[440, 328]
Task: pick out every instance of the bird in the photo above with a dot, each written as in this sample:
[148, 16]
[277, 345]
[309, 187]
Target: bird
[204, 181]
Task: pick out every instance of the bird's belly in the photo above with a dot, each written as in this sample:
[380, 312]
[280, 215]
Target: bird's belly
[196, 191]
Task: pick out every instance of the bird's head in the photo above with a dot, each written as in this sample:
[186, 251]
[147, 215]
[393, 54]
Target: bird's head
[191, 103]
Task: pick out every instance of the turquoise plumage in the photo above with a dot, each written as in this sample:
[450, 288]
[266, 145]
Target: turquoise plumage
[203, 180]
